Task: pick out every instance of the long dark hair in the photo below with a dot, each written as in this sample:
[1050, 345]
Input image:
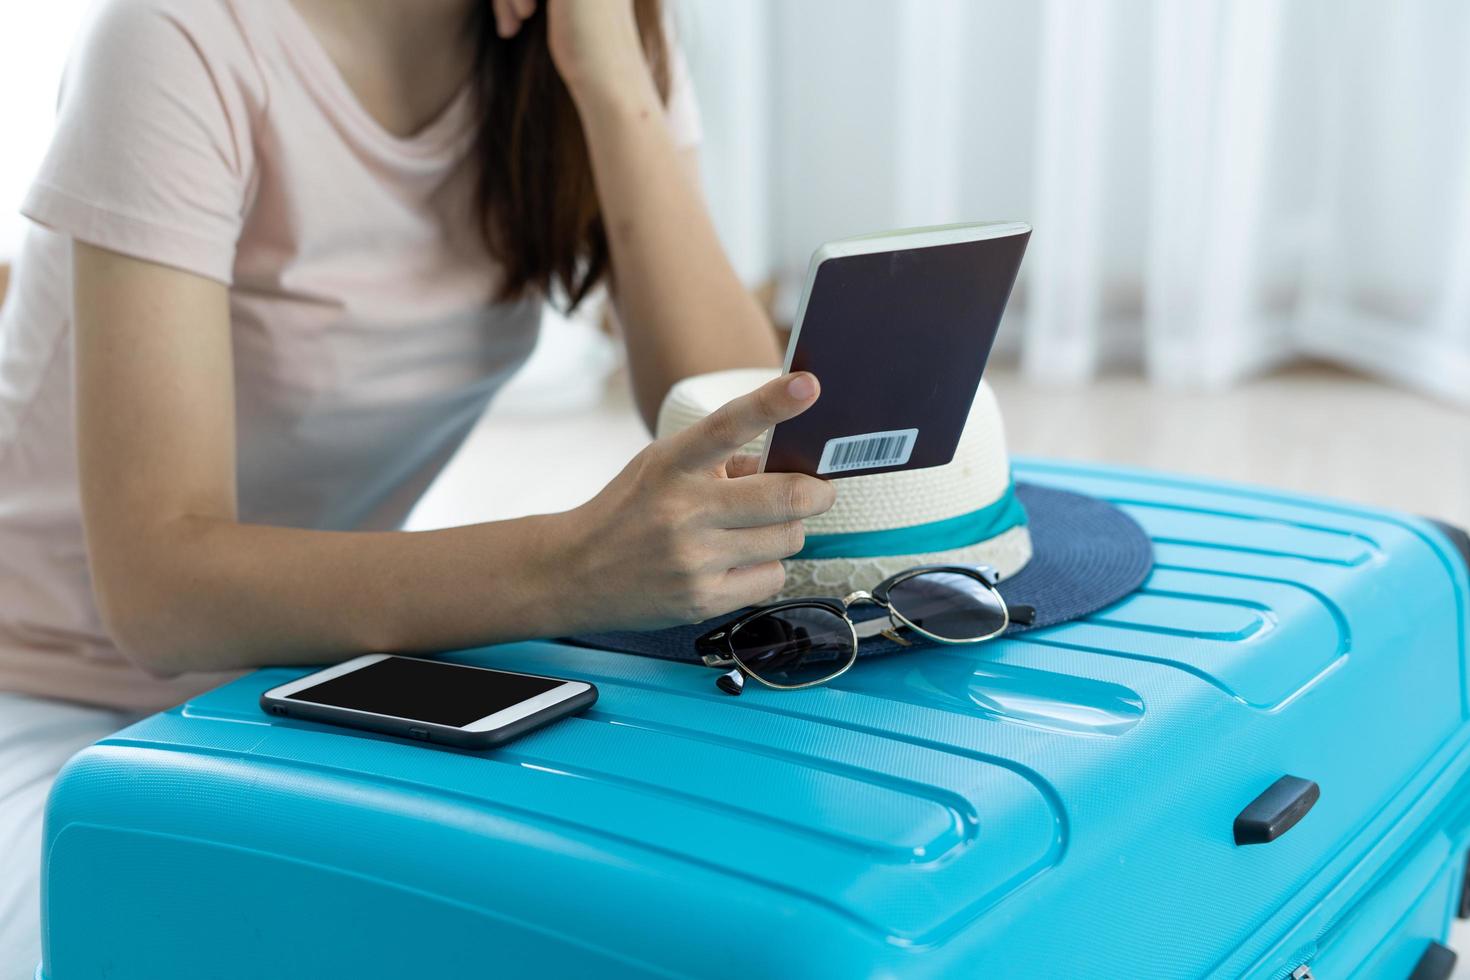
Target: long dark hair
[538, 204]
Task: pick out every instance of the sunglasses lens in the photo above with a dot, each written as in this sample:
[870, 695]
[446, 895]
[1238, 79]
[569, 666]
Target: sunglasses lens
[950, 605]
[794, 646]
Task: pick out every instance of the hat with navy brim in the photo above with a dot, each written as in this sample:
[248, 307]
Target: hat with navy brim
[1064, 554]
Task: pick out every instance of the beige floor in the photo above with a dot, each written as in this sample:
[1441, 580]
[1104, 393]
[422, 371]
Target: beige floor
[1311, 429]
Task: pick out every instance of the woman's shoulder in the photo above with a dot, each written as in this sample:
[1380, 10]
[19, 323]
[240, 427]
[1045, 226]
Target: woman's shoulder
[152, 153]
[136, 57]
[155, 35]
[189, 15]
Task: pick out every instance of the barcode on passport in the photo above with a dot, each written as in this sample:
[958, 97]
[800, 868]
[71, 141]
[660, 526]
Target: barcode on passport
[867, 451]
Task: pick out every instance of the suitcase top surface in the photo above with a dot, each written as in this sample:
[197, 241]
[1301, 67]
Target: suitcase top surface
[1018, 802]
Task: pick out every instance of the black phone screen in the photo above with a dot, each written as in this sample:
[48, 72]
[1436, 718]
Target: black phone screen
[426, 690]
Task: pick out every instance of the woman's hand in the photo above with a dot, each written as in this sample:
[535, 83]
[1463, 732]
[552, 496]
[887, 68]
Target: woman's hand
[689, 530]
[594, 43]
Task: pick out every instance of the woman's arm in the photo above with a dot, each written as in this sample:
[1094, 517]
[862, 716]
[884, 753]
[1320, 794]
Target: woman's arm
[683, 309]
[183, 585]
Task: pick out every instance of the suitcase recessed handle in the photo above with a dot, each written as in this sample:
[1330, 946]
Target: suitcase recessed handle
[1276, 811]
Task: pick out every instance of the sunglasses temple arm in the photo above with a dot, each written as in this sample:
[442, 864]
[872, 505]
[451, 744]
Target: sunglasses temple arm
[1024, 615]
[732, 682]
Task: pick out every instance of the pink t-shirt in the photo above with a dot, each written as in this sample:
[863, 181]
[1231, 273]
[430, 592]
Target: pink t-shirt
[217, 136]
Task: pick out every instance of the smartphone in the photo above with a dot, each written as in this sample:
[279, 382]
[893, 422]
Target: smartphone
[897, 327]
[429, 700]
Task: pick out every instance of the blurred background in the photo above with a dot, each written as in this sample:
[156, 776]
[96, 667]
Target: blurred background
[1251, 256]
[1218, 187]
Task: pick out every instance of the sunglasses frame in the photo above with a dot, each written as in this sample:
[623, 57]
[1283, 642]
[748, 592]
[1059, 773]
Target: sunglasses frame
[709, 645]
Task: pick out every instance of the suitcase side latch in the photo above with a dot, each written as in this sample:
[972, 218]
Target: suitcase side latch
[1276, 811]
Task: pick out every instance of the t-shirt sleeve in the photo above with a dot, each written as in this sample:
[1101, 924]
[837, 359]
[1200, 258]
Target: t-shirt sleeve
[682, 109]
[151, 152]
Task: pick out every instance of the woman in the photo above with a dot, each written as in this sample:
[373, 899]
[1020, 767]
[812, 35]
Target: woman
[285, 252]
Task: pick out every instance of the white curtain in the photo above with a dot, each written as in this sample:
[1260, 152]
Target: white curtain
[1216, 186]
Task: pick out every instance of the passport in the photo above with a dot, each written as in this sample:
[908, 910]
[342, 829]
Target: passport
[897, 327]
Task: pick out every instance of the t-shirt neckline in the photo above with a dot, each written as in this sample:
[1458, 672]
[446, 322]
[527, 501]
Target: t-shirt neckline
[435, 138]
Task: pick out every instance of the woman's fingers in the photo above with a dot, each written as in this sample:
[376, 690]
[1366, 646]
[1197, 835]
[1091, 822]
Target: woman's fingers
[708, 443]
[506, 23]
[511, 14]
[688, 529]
[742, 464]
[753, 583]
[772, 498]
[756, 545]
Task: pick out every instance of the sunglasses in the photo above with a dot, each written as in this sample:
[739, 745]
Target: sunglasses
[803, 642]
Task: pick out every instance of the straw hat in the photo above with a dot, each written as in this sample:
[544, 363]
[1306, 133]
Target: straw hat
[1064, 554]
[965, 512]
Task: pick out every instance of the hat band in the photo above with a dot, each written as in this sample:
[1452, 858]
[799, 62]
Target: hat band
[944, 535]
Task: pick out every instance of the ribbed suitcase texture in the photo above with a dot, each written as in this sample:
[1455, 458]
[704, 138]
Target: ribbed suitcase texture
[1063, 804]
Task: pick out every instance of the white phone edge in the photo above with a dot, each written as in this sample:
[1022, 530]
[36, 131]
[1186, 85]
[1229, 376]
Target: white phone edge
[889, 241]
[506, 716]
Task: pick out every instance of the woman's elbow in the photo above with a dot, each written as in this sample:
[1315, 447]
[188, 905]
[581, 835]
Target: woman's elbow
[138, 622]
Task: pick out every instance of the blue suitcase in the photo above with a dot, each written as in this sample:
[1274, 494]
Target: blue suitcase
[1062, 804]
